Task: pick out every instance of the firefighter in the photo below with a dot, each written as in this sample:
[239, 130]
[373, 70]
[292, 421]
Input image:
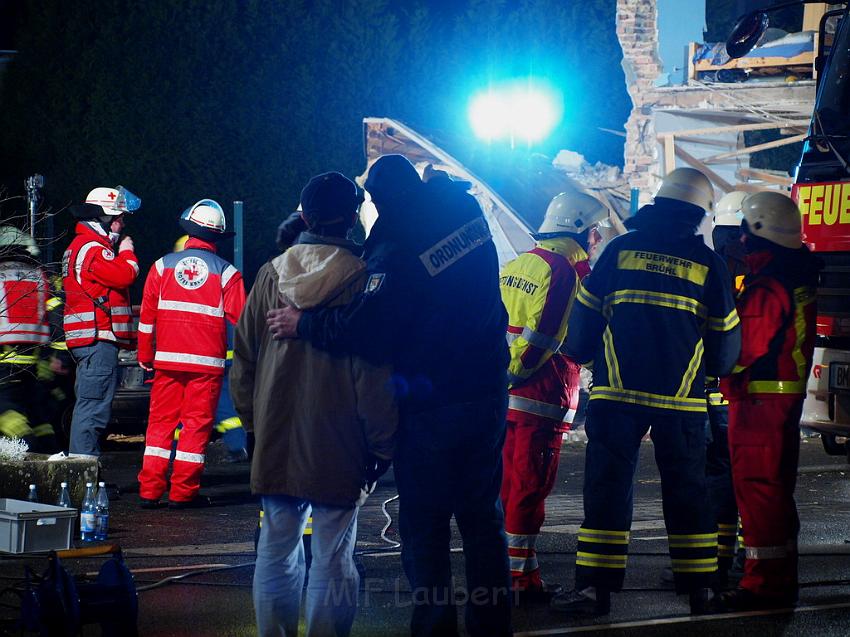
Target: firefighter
[23, 330]
[538, 290]
[98, 317]
[765, 392]
[654, 316]
[189, 298]
[726, 237]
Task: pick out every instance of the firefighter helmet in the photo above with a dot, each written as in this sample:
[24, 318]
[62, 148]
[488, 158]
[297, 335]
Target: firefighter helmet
[572, 212]
[774, 217]
[688, 185]
[12, 238]
[114, 201]
[728, 209]
[205, 220]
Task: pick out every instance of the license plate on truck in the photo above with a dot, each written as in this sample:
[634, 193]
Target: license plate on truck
[839, 376]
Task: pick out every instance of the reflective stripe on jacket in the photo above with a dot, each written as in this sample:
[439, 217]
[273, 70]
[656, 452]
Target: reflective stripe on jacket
[654, 316]
[188, 298]
[96, 283]
[538, 290]
[778, 310]
[23, 304]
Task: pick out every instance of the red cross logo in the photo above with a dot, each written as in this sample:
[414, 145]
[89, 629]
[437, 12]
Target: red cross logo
[111, 195]
[191, 273]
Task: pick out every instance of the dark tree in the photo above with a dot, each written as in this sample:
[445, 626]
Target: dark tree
[246, 100]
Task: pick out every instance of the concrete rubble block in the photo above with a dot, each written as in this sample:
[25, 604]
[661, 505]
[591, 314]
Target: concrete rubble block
[17, 475]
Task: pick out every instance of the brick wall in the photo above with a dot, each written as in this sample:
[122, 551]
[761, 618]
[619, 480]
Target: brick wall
[637, 30]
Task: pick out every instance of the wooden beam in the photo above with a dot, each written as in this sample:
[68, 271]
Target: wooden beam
[812, 13]
[724, 185]
[752, 173]
[618, 133]
[754, 149]
[692, 49]
[704, 141]
[740, 127]
[669, 154]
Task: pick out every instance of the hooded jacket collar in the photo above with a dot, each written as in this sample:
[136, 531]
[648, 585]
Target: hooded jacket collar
[312, 274]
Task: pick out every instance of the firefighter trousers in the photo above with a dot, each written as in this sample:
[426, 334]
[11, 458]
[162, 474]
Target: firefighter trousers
[764, 441]
[530, 460]
[614, 435]
[718, 473]
[177, 397]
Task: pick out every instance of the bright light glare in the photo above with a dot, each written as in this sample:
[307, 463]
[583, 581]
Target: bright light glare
[514, 112]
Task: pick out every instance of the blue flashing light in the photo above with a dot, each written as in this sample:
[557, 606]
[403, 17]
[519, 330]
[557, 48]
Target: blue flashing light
[519, 111]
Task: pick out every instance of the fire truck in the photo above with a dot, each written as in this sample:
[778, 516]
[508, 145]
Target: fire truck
[822, 191]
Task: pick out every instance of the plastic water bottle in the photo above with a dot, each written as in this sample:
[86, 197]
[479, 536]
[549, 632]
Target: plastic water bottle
[102, 512]
[33, 494]
[64, 497]
[88, 515]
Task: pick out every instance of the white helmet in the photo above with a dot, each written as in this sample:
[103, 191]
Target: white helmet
[114, 201]
[775, 217]
[572, 212]
[205, 220]
[10, 236]
[728, 209]
[688, 185]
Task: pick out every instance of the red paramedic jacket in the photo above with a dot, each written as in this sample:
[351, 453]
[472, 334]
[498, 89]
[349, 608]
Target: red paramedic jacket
[188, 298]
[23, 304]
[97, 296]
[778, 313]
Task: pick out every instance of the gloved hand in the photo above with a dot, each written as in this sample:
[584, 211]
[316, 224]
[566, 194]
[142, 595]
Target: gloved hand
[375, 468]
[289, 230]
[126, 244]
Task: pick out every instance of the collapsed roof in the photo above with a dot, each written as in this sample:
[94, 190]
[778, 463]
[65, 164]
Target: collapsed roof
[513, 190]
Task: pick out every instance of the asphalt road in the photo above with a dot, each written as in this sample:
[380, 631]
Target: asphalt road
[213, 549]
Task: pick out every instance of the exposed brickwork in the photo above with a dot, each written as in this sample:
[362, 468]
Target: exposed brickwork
[637, 30]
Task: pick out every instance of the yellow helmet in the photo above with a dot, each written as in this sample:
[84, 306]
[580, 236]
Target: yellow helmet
[688, 185]
[180, 244]
[775, 217]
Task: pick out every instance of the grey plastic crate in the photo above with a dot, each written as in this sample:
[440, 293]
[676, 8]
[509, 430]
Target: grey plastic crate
[27, 527]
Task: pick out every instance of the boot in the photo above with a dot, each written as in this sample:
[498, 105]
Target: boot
[742, 599]
[590, 601]
[701, 601]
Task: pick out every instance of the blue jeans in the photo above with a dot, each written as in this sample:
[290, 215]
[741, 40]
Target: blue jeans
[279, 572]
[97, 378]
[449, 462]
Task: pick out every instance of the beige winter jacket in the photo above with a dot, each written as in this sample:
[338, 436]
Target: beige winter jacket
[315, 416]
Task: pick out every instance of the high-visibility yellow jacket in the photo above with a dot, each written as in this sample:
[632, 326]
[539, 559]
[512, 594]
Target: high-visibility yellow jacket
[538, 290]
[654, 317]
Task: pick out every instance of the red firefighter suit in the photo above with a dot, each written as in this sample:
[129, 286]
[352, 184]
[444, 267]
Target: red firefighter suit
[765, 391]
[188, 296]
[538, 290]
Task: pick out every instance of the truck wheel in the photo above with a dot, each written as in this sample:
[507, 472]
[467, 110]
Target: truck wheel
[832, 446]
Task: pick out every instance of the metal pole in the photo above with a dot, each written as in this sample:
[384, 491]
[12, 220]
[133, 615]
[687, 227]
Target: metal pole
[634, 201]
[238, 240]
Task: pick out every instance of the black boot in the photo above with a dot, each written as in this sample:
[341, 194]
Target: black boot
[590, 601]
[701, 601]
